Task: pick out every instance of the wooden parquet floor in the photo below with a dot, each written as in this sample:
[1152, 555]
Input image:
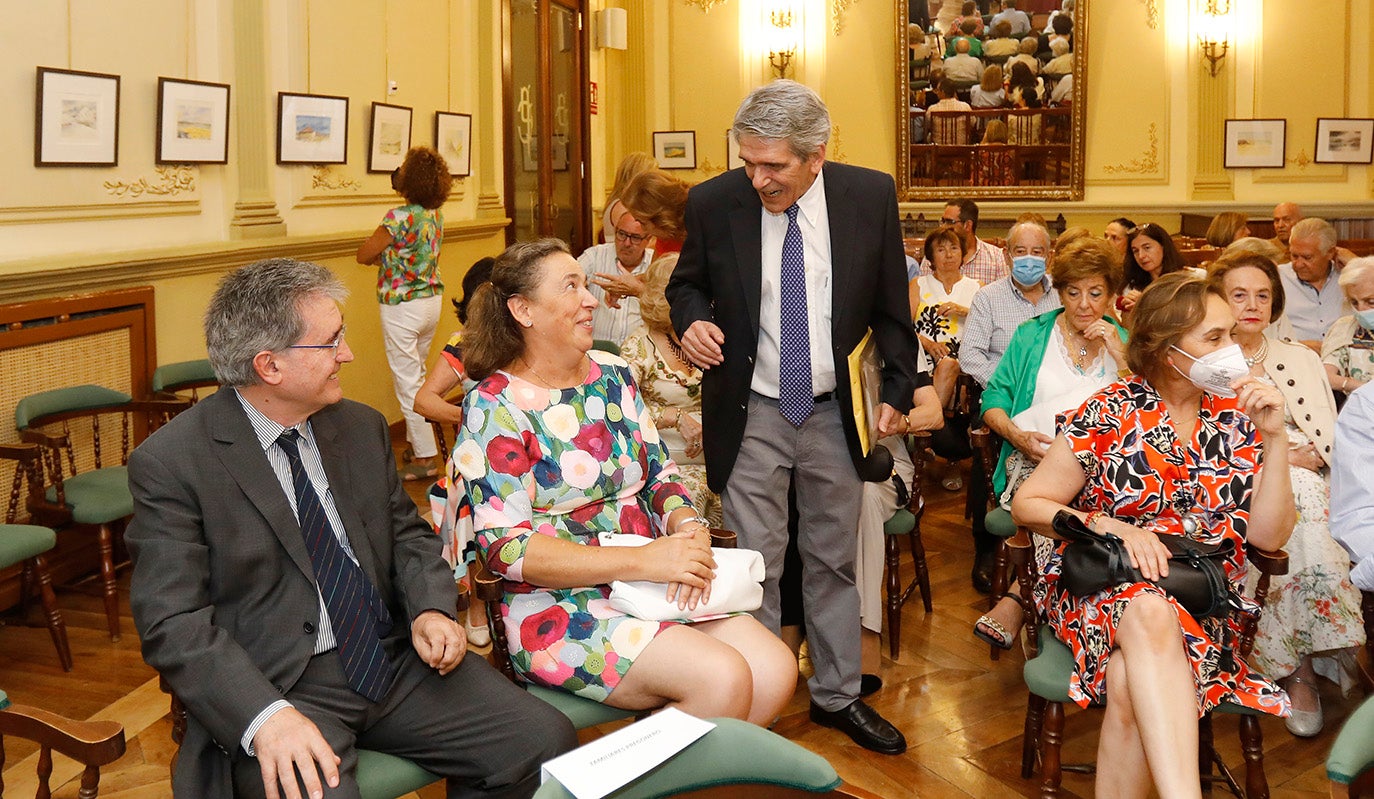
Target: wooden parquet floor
[961, 712]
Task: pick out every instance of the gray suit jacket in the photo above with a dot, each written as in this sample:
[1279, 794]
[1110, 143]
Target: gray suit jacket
[223, 593]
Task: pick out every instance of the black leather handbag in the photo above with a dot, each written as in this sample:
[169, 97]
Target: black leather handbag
[1093, 561]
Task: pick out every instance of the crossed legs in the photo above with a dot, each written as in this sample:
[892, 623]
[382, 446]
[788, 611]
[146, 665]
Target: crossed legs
[1150, 728]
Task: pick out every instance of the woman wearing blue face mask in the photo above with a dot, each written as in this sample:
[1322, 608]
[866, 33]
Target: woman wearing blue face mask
[1311, 622]
[1150, 456]
[1054, 362]
[1348, 349]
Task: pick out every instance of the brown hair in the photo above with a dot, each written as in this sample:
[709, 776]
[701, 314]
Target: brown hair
[1085, 257]
[1167, 309]
[1071, 234]
[992, 78]
[631, 166]
[939, 235]
[659, 199]
[996, 132]
[653, 304]
[1216, 273]
[1224, 228]
[492, 338]
[423, 178]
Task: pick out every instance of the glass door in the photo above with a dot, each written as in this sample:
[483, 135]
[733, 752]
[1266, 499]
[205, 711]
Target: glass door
[546, 121]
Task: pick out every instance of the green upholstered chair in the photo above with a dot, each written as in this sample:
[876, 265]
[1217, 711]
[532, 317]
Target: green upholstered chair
[1350, 766]
[173, 378]
[606, 346]
[26, 544]
[384, 776]
[735, 753]
[1047, 677]
[91, 743]
[82, 481]
[906, 522]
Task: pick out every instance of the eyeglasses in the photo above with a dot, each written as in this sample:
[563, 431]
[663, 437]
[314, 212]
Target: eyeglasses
[944, 221]
[333, 345]
[621, 235]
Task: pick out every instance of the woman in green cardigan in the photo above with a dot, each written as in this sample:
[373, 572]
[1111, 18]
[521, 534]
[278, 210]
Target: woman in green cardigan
[1055, 361]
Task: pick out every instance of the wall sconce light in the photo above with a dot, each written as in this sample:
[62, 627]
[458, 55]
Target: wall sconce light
[1214, 33]
[784, 40]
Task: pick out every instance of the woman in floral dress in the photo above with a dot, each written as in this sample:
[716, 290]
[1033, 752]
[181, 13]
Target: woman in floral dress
[1150, 456]
[671, 386]
[1311, 620]
[557, 446]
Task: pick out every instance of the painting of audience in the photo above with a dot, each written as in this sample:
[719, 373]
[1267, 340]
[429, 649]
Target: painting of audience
[1311, 621]
[1150, 254]
[1054, 362]
[615, 275]
[671, 386]
[1348, 347]
[559, 413]
[1155, 665]
[1315, 299]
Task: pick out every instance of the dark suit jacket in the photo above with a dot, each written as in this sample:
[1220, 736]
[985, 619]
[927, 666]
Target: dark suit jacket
[223, 592]
[719, 278]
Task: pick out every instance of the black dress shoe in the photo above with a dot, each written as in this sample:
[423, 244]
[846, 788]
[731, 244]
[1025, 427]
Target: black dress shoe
[869, 684]
[982, 574]
[864, 725]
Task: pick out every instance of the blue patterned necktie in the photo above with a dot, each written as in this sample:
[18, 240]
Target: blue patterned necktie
[356, 612]
[795, 399]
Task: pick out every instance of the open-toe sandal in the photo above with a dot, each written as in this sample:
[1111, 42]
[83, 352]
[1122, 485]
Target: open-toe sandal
[991, 630]
[417, 471]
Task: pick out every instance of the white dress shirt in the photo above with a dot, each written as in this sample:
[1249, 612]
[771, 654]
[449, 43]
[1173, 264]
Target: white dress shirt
[1352, 485]
[612, 324]
[814, 222]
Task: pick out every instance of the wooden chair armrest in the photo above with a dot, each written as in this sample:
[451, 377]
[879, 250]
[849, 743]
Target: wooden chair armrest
[1271, 563]
[726, 539]
[464, 599]
[93, 743]
[19, 452]
[487, 585]
[171, 405]
[43, 439]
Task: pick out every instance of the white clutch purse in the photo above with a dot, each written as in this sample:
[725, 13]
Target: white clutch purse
[738, 586]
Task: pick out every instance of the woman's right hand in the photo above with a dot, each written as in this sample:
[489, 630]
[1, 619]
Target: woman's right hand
[1032, 444]
[690, 429]
[1148, 553]
[937, 350]
[685, 563]
[1129, 299]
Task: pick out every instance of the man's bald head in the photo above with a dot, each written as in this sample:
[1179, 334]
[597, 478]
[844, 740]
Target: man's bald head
[1286, 215]
[961, 47]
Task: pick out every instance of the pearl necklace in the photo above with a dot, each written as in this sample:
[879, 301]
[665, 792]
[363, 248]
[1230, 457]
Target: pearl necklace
[1260, 354]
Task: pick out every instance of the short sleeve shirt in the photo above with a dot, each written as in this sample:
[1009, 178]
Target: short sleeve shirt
[410, 263]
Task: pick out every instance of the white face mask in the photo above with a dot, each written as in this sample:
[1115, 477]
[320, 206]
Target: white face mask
[1216, 371]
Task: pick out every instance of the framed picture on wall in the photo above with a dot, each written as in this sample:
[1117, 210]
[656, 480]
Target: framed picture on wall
[390, 137]
[192, 122]
[77, 119]
[453, 140]
[732, 159]
[312, 129]
[1344, 141]
[675, 149]
[1255, 143]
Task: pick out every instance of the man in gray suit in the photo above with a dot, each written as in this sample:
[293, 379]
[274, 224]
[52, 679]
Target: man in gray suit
[787, 264]
[286, 588]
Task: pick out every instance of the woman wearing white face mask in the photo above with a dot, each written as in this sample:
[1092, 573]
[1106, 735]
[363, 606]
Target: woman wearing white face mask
[1311, 621]
[1348, 348]
[1150, 456]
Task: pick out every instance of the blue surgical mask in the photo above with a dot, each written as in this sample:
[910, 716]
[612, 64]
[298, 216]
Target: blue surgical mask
[1028, 270]
[1365, 318]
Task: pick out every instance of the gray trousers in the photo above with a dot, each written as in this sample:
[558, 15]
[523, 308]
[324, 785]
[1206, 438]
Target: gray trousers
[472, 725]
[816, 458]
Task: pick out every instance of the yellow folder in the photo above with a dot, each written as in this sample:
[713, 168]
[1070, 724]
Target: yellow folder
[865, 390]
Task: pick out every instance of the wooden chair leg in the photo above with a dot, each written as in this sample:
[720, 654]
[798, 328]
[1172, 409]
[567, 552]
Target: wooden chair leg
[57, 628]
[107, 575]
[1252, 745]
[892, 558]
[918, 554]
[1204, 752]
[1030, 737]
[1051, 740]
[999, 587]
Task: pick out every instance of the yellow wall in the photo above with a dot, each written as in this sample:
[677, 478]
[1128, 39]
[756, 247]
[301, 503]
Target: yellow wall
[71, 229]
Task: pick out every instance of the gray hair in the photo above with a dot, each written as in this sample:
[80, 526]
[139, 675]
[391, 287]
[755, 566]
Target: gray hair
[1034, 226]
[787, 110]
[1066, 7]
[1059, 46]
[1314, 228]
[256, 308]
[1358, 270]
[1255, 245]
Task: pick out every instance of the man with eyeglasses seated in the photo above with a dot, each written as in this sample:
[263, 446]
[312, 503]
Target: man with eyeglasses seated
[983, 262]
[615, 275]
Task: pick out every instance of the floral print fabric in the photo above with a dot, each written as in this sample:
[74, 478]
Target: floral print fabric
[410, 263]
[568, 464]
[1137, 470]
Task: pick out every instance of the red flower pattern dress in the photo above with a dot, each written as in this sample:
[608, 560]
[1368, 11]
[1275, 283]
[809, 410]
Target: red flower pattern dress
[570, 464]
[1137, 470]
